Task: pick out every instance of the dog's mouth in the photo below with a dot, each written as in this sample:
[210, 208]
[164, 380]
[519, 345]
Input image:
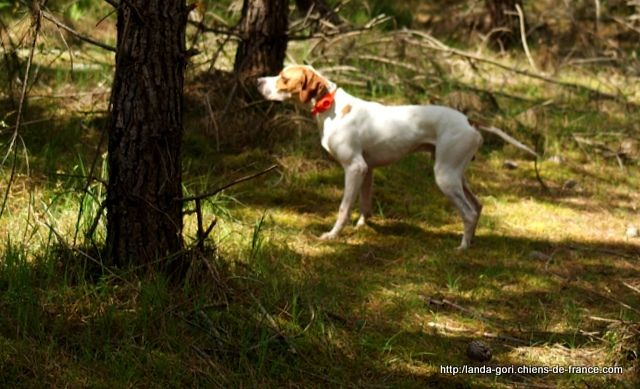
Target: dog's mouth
[267, 88]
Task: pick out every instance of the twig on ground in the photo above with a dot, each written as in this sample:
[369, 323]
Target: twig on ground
[622, 22]
[275, 326]
[606, 320]
[219, 373]
[505, 337]
[589, 288]
[604, 251]
[634, 288]
[539, 177]
[474, 315]
[471, 312]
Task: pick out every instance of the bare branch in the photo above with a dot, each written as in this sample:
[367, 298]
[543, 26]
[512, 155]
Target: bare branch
[37, 23]
[84, 38]
[523, 36]
[432, 43]
[239, 180]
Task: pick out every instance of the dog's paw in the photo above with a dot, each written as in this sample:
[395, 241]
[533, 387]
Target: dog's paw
[463, 246]
[328, 236]
[361, 222]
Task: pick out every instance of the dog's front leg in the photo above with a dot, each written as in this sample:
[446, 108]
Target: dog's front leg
[355, 173]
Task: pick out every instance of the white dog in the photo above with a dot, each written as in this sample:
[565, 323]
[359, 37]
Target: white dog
[362, 135]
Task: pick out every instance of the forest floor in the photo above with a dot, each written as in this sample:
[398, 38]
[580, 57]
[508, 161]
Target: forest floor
[552, 280]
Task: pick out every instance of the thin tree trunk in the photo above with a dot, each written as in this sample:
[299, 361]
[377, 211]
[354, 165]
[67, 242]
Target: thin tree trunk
[505, 24]
[264, 38]
[144, 220]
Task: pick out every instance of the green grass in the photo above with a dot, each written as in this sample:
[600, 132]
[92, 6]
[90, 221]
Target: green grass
[383, 306]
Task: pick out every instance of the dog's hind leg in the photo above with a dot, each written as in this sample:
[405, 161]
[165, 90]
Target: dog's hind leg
[452, 158]
[470, 196]
[449, 180]
[473, 200]
[366, 195]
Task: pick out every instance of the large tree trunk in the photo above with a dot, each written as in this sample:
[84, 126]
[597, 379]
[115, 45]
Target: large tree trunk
[144, 220]
[505, 23]
[264, 38]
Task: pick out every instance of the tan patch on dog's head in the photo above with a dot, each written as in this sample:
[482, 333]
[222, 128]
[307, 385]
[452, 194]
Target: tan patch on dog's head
[302, 80]
[346, 110]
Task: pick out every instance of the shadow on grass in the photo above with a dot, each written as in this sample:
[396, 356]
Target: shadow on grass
[376, 297]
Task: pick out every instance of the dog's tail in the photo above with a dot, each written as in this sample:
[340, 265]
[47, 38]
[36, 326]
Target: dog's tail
[509, 139]
[513, 141]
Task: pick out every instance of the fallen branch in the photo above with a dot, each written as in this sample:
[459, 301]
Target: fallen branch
[505, 337]
[468, 311]
[436, 45]
[604, 251]
[634, 288]
[274, 326]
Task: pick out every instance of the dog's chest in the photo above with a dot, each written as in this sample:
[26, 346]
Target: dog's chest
[338, 131]
[328, 129]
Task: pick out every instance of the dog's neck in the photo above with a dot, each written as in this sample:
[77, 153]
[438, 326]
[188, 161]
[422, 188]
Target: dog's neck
[324, 102]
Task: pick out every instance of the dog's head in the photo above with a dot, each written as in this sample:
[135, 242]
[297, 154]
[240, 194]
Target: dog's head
[293, 80]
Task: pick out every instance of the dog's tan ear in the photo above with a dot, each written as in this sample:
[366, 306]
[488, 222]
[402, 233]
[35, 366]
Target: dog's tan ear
[311, 86]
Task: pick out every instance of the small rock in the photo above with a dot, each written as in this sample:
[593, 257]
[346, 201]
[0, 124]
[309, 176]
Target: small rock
[632, 232]
[479, 351]
[511, 165]
[570, 184]
[558, 160]
[629, 148]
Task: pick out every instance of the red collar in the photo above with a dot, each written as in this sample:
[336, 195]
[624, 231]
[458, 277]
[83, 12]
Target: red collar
[324, 103]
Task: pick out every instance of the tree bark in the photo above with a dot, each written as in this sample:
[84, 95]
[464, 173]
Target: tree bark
[504, 20]
[264, 38]
[144, 220]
